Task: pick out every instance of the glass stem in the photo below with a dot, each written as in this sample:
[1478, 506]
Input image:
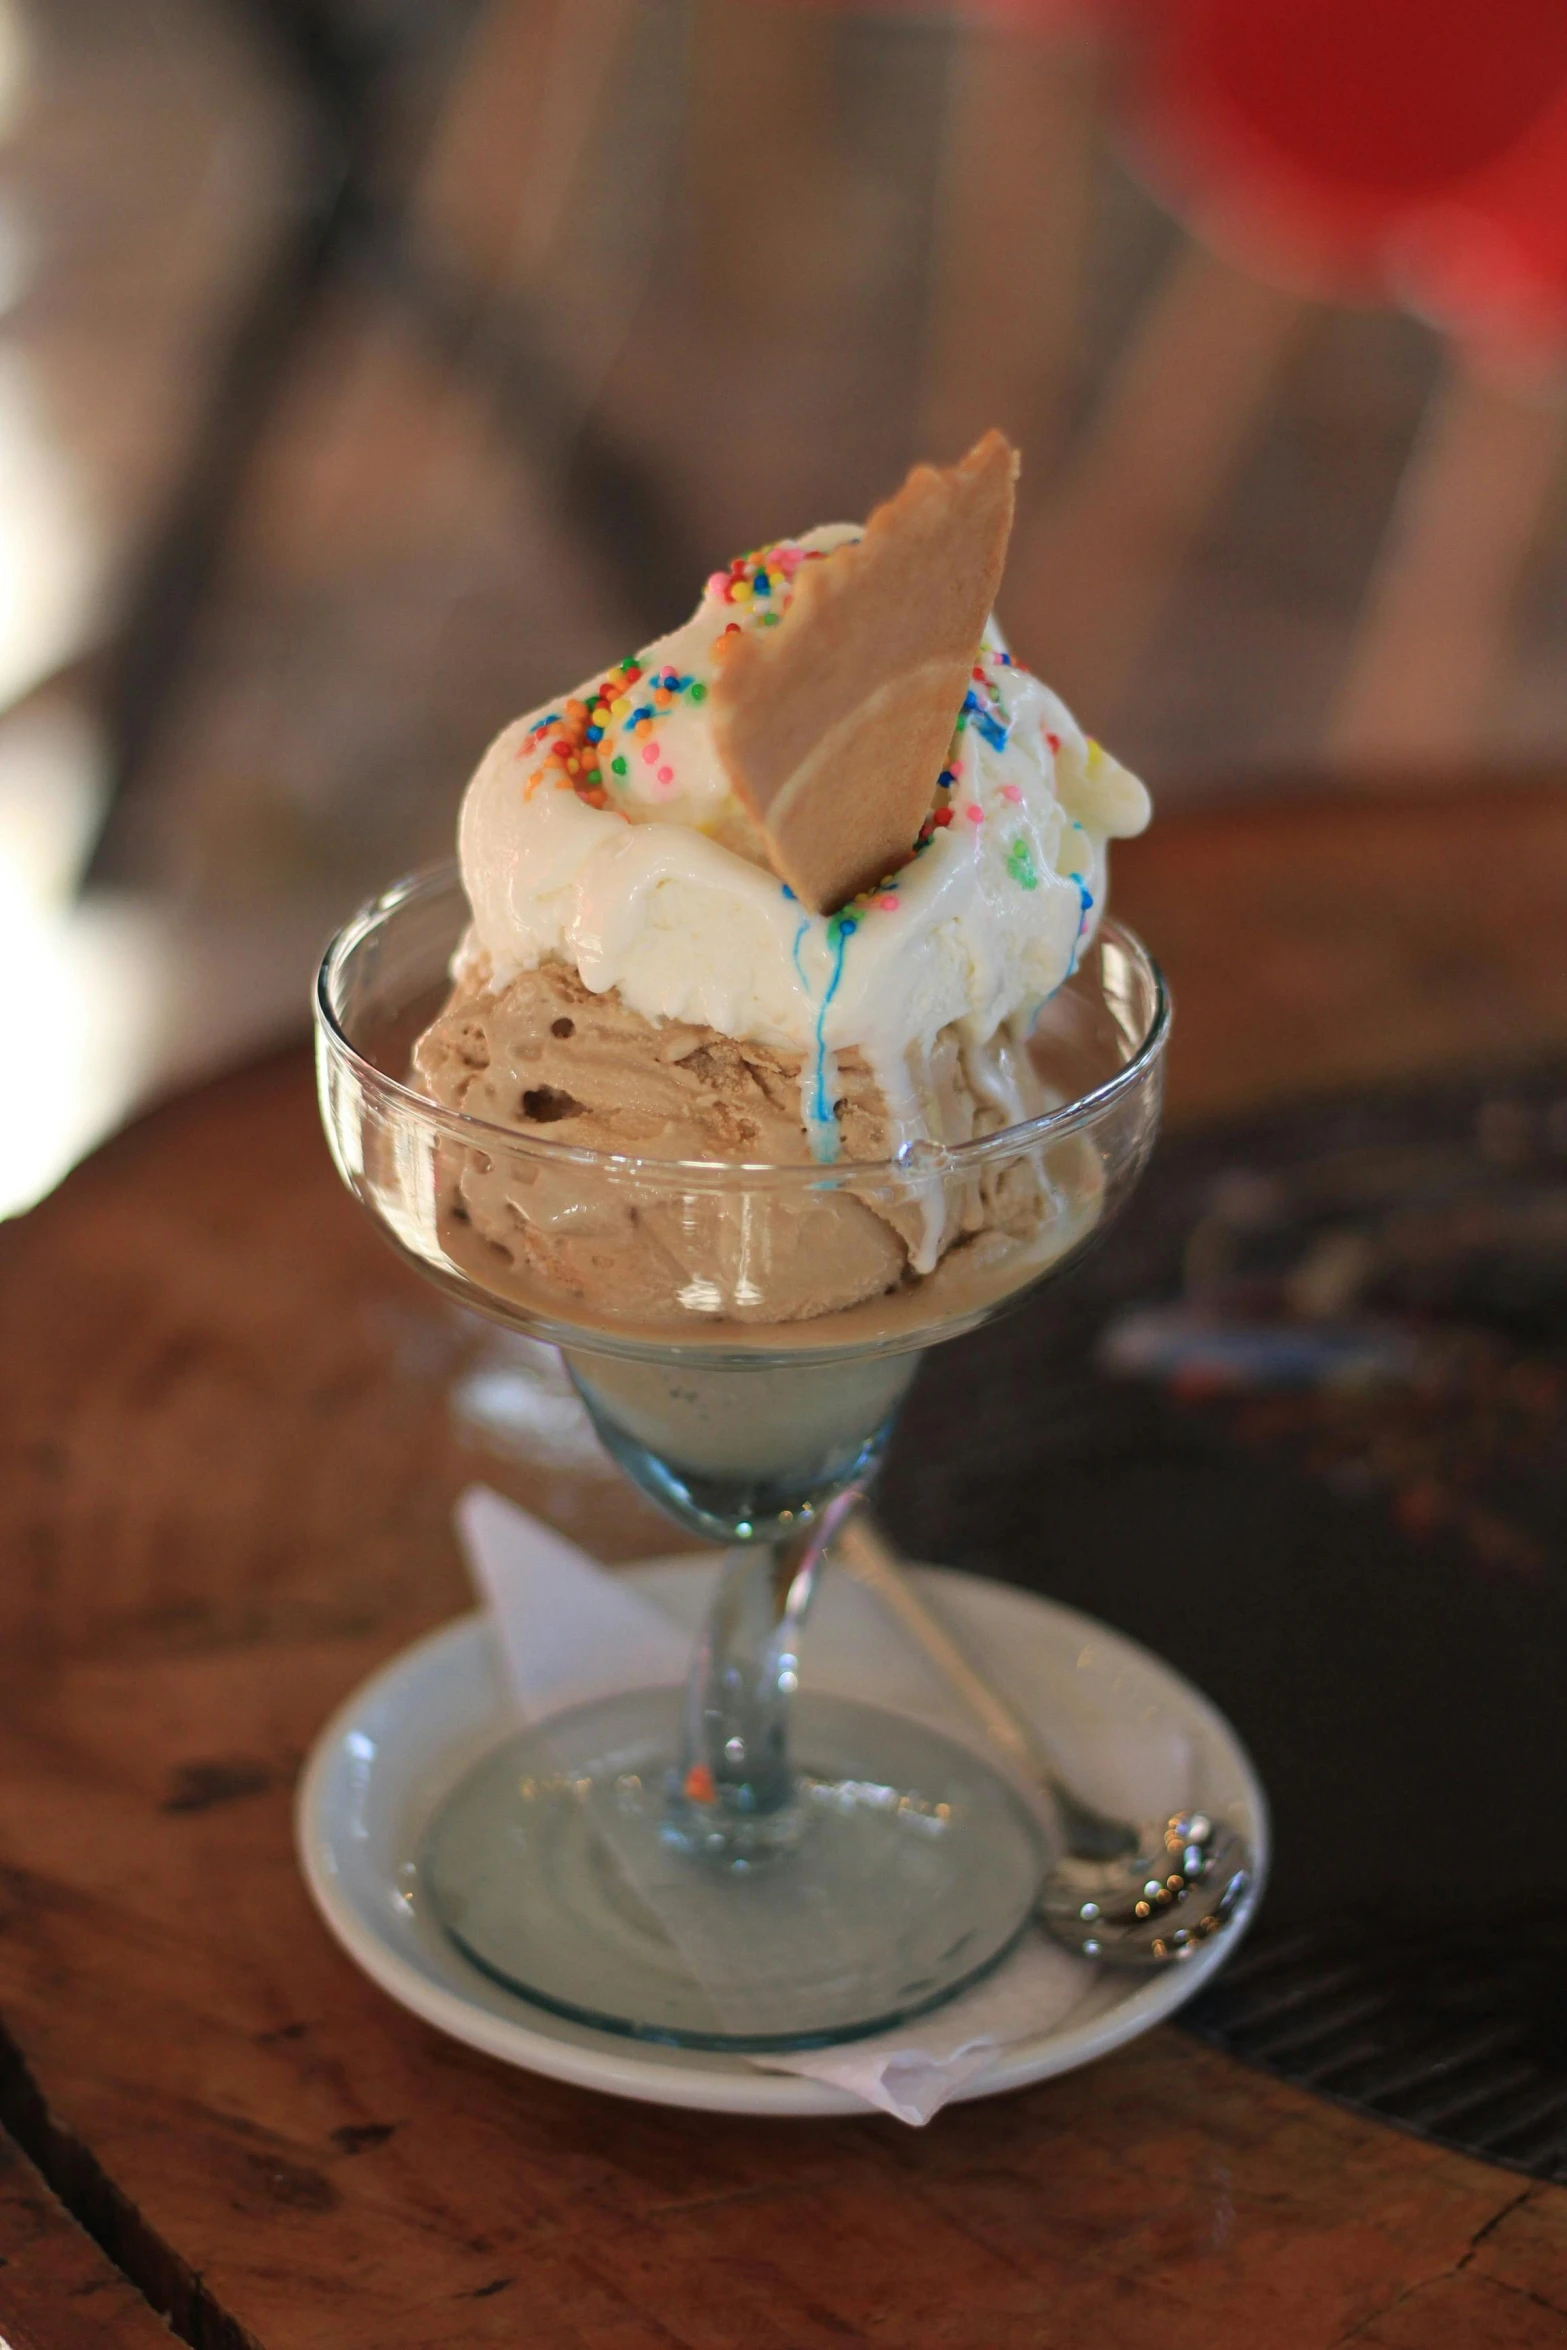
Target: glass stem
[732, 1794]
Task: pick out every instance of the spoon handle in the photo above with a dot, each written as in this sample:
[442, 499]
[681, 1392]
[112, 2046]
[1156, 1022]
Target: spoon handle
[873, 1563]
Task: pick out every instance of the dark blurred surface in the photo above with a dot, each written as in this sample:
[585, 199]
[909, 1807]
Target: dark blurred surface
[1302, 1428]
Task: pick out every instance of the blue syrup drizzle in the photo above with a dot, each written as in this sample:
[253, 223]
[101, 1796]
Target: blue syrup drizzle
[823, 1124]
[1085, 906]
[799, 940]
[991, 728]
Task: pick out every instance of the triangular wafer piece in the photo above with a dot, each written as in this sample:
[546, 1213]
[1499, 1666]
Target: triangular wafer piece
[833, 726]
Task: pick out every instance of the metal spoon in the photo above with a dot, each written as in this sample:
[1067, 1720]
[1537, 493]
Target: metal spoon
[1130, 1896]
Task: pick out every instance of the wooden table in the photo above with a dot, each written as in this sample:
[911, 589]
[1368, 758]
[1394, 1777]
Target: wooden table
[227, 1497]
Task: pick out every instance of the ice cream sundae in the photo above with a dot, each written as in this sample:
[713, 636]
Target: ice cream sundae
[788, 887]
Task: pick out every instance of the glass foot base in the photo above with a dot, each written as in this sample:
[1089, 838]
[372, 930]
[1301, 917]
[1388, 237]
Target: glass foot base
[915, 1869]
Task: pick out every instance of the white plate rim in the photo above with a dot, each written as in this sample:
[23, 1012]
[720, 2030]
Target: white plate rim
[655, 2074]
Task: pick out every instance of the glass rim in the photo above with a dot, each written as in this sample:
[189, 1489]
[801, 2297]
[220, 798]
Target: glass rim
[918, 1161]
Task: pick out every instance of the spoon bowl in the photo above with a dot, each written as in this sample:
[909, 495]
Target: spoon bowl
[1154, 1904]
[1128, 1896]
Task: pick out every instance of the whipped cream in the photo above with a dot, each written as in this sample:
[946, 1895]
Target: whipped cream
[602, 831]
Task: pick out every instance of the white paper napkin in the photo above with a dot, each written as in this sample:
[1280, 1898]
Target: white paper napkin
[570, 1631]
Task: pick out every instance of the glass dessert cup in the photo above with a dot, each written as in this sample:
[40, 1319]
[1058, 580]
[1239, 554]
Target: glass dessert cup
[745, 1865]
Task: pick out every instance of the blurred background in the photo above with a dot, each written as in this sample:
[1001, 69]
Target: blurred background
[371, 368]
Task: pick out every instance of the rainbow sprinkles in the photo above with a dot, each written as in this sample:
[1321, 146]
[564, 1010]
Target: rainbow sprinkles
[594, 742]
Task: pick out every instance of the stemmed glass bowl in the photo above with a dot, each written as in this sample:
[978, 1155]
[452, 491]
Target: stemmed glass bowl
[744, 1865]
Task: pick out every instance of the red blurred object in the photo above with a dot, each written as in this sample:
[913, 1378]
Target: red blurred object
[1411, 147]
[1491, 262]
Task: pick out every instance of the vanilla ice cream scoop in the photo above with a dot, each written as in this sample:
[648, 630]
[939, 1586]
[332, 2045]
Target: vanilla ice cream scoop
[601, 831]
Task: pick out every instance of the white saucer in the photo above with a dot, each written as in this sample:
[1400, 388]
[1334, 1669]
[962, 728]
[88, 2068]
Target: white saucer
[390, 1754]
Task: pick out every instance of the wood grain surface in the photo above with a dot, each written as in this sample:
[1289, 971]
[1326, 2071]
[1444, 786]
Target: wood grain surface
[58, 2289]
[1326, 940]
[231, 1451]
